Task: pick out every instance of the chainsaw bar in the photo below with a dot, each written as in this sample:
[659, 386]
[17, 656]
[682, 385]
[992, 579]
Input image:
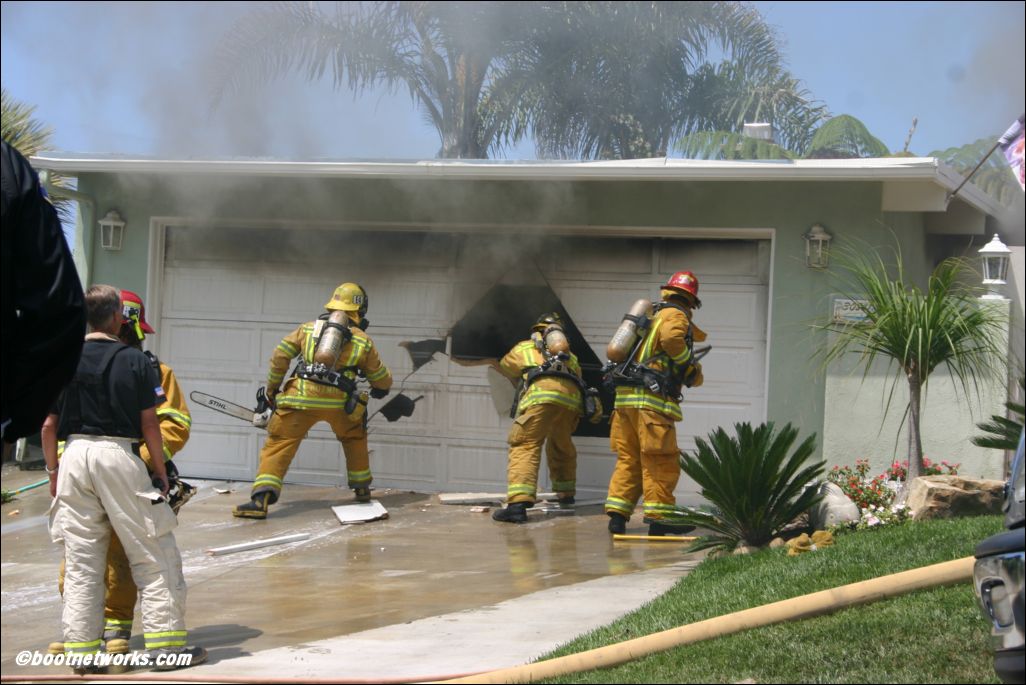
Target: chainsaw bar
[223, 406]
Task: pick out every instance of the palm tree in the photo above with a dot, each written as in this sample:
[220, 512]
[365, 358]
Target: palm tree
[446, 54]
[23, 131]
[917, 331]
[623, 80]
[593, 79]
[839, 137]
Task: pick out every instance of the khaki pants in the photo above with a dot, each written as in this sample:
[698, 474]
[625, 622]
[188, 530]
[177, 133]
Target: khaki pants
[286, 430]
[102, 487]
[647, 462]
[542, 424]
[119, 606]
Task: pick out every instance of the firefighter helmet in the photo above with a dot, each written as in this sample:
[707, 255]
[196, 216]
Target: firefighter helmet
[134, 314]
[684, 282]
[547, 319]
[349, 297]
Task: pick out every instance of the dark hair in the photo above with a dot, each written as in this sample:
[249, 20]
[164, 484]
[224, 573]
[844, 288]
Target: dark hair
[102, 302]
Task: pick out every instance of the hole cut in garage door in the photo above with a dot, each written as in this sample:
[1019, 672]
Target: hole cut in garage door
[504, 316]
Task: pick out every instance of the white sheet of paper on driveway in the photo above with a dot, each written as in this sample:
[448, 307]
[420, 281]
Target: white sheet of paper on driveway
[360, 512]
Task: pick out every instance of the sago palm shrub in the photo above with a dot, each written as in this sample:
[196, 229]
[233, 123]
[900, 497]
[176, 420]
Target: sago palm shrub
[755, 483]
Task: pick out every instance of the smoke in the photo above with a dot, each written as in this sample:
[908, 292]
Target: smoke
[138, 78]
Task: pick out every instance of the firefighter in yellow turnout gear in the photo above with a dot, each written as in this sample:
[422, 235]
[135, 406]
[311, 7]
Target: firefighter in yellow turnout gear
[550, 405]
[175, 423]
[333, 351]
[642, 431]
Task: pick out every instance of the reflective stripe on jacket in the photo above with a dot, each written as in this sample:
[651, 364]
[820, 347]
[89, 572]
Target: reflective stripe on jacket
[666, 338]
[546, 389]
[358, 353]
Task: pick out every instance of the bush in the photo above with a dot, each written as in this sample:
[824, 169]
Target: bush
[754, 485]
[874, 517]
[865, 492]
[898, 471]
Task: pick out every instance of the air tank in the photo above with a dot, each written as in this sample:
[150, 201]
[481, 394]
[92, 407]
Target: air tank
[330, 344]
[626, 335]
[555, 340]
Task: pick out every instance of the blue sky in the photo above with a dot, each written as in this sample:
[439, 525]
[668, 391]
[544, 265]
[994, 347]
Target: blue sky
[132, 78]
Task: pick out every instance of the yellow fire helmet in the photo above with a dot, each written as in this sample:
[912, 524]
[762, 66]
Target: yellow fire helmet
[349, 297]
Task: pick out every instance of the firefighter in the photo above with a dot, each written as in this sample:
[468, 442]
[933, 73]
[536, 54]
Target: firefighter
[642, 431]
[334, 351]
[100, 486]
[548, 406]
[175, 423]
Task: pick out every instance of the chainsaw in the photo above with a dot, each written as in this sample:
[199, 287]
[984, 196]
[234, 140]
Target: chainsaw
[396, 408]
[258, 417]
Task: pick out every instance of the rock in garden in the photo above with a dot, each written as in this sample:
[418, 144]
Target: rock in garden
[937, 497]
[835, 507]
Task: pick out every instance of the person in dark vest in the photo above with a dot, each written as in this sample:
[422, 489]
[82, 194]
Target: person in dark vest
[100, 485]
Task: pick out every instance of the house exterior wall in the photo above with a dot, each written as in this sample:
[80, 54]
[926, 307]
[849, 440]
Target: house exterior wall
[797, 386]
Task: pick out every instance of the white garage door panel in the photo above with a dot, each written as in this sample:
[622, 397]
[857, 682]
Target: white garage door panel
[731, 370]
[731, 312]
[406, 462]
[229, 299]
[227, 347]
[219, 451]
[614, 256]
[472, 413]
[207, 291]
[477, 466]
[705, 258]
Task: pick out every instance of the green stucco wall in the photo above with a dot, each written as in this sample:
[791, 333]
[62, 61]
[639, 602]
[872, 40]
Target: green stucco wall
[799, 295]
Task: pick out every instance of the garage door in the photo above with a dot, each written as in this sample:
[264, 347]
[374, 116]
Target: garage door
[230, 294]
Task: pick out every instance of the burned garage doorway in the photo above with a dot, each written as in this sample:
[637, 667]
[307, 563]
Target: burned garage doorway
[230, 293]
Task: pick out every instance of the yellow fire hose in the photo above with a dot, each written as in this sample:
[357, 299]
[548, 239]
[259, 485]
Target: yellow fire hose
[617, 537]
[947, 573]
[806, 606]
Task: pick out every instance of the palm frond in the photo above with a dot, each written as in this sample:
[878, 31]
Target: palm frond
[23, 131]
[845, 137]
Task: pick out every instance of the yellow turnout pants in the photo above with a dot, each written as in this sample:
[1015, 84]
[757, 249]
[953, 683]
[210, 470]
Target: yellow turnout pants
[286, 430]
[647, 462]
[551, 425]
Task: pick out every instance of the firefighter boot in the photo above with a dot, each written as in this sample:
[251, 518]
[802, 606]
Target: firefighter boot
[256, 508]
[362, 494]
[513, 513]
[617, 523]
[567, 502]
[117, 645]
[658, 528]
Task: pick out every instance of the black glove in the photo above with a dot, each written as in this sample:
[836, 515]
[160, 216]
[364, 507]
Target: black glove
[378, 393]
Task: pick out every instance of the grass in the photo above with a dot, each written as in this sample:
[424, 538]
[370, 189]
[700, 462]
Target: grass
[934, 635]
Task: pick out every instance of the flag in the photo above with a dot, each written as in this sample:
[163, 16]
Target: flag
[1011, 144]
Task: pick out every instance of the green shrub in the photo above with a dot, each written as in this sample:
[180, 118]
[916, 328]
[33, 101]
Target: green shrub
[755, 487]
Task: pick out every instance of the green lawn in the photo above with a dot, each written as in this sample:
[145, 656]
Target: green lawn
[928, 636]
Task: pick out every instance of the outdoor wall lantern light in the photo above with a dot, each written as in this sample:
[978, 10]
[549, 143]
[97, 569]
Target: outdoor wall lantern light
[817, 247]
[995, 256]
[112, 230]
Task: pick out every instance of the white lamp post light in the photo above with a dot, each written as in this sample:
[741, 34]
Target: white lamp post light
[995, 256]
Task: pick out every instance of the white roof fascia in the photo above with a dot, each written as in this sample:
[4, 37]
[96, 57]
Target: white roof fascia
[666, 169]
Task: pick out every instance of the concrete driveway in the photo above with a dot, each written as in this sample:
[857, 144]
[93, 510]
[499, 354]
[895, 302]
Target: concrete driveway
[433, 590]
